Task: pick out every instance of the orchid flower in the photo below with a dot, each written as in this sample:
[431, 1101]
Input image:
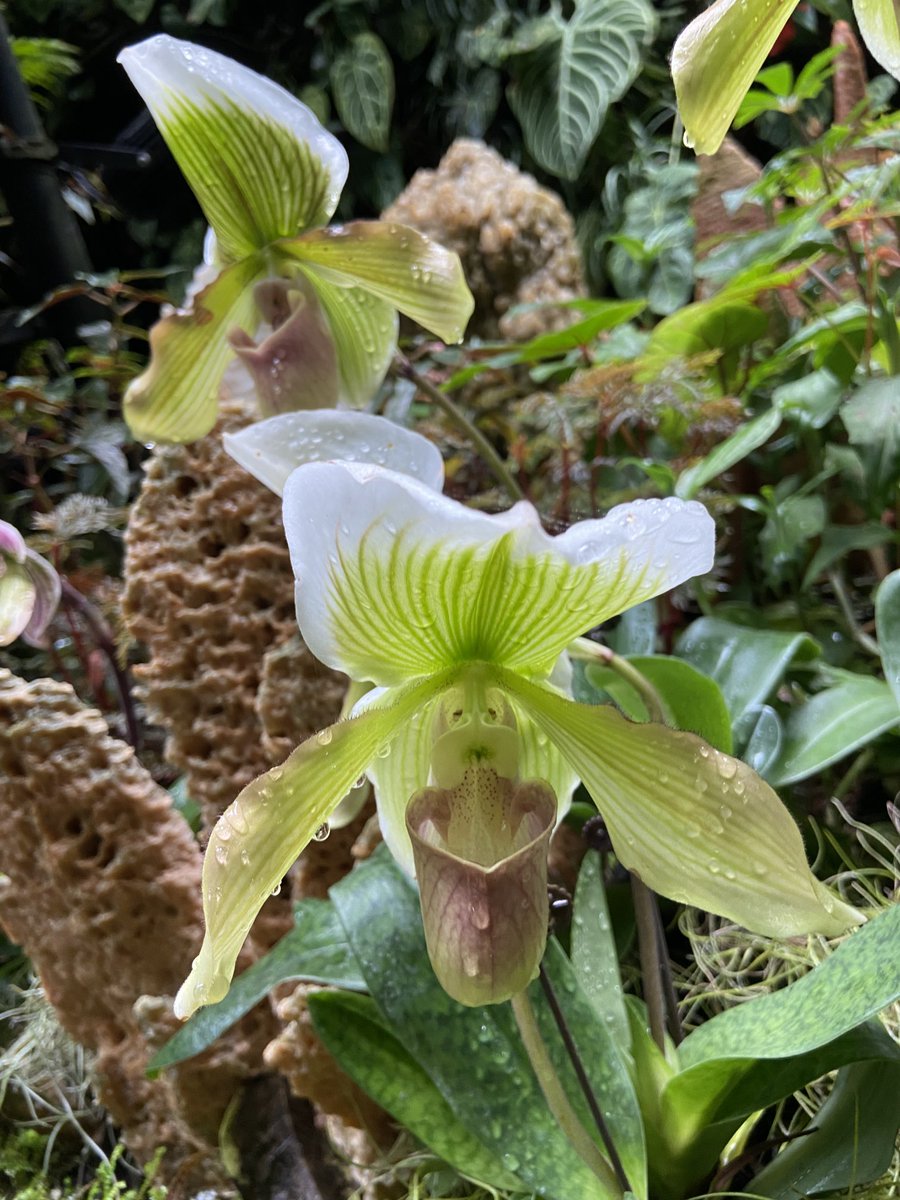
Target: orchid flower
[717, 57]
[460, 620]
[29, 590]
[268, 178]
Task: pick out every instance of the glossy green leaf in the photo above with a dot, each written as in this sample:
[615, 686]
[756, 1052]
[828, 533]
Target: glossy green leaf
[764, 732]
[851, 1140]
[854, 983]
[728, 454]
[362, 84]
[604, 314]
[693, 701]
[722, 327]
[473, 1056]
[562, 96]
[315, 950]
[394, 263]
[356, 1034]
[748, 664]
[878, 26]
[715, 60]
[887, 625]
[832, 724]
[635, 631]
[812, 400]
[176, 398]
[595, 958]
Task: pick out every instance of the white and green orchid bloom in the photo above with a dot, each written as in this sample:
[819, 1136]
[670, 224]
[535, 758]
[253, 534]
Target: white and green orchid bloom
[29, 590]
[268, 178]
[460, 620]
[717, 57]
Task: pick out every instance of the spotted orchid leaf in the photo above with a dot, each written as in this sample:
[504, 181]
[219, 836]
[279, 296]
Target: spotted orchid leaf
[395, 263]
[715, 60]
[263, 831]
[695, 824]
[270, 450]
[176, 398]
[257, 159]
[410, 582]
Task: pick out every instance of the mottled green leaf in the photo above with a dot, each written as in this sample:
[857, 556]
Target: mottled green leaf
[887, 624]
[356, 1034]
[832, 724]
[362, 83]
[595, 958]
[316, 950]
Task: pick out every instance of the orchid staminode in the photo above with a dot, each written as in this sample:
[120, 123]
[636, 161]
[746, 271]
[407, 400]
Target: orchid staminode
[460, 620]
[29, 590]
[268, 177]
[717, 57]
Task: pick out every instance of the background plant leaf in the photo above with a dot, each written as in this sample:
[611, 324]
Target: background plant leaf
[362, 84]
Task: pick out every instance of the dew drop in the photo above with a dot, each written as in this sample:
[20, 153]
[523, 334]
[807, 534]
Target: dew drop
[199, 990]
[713, 867]
[727, 767]
[384, 751]
[323, 737]
[276, 889]
[245, 858]
[725, 812]
[221, 853]
[322, 832]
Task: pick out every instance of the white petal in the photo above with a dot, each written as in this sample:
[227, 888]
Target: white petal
[397, 581]
[270, 450]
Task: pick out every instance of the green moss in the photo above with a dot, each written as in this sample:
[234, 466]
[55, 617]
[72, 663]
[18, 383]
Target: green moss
[23, 1155]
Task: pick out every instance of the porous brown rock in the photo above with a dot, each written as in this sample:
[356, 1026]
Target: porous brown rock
[296, 696]
[515, 238]
[100, 884]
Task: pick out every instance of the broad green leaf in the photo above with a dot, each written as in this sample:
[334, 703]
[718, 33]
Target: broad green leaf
[394, 263]
[595, 958]
[851, 1140]
[838, 540]
[258, 837]
[873, 413]
[695, 824]
[693, 700]
[720, 328]
[176, 399]
[832, 724]
[878, 26]
[715, 60]
[887, 625]
[359, 1038]
[362, 83]
[764, 733]
[790, 526]
[728, 454]
[748, 664]
[473, 1056]
[855, 982]
[812, 400]
[562, 96]
[315, 950]
[605, 315]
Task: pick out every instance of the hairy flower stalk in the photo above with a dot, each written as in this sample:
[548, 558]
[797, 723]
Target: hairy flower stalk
[460, 622]
[268, 178]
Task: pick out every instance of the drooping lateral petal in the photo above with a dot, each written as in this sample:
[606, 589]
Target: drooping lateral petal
[270, 450]
[396, 581]
[398, 264]
[47, 592]
[17, 596]
[12, 542]
[257, 159]
[715, 60]
[364, 329]
[878, 24]
[695, 824]
[176, 398]
[260, 835]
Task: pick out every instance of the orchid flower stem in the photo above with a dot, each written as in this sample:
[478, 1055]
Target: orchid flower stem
[600, 1121]
[405, 370]
[585, 649]
[646, 916]
[557, 1100]
[842, 595]
[673, 1022]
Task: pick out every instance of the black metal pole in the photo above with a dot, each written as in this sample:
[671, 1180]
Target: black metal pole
[51, 247]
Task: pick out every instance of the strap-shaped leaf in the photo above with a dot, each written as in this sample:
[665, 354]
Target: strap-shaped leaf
[176, 397]
[887, 623]
[563, 95]
[395, 263]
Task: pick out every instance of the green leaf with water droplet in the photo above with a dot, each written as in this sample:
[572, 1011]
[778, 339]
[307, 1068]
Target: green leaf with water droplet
[393, 263]
[747, 664]
[362, 83]
[887, 625]
[715, 60]
[878, 24]
[315, 950]
[594, 955]
[358, 1036]
[832, 724]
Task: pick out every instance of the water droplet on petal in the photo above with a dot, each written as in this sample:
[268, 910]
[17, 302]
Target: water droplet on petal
[245, 858]
[322, 832]
[221, 853]
[324, 736]
[276, 889]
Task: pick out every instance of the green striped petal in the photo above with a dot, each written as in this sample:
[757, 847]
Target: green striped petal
[260, 835]
[397, 264]
[396, 581]
[17, 598]
[716, 59]
[176, 399]
[695, 824]
[878, 24]
[258, 161]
